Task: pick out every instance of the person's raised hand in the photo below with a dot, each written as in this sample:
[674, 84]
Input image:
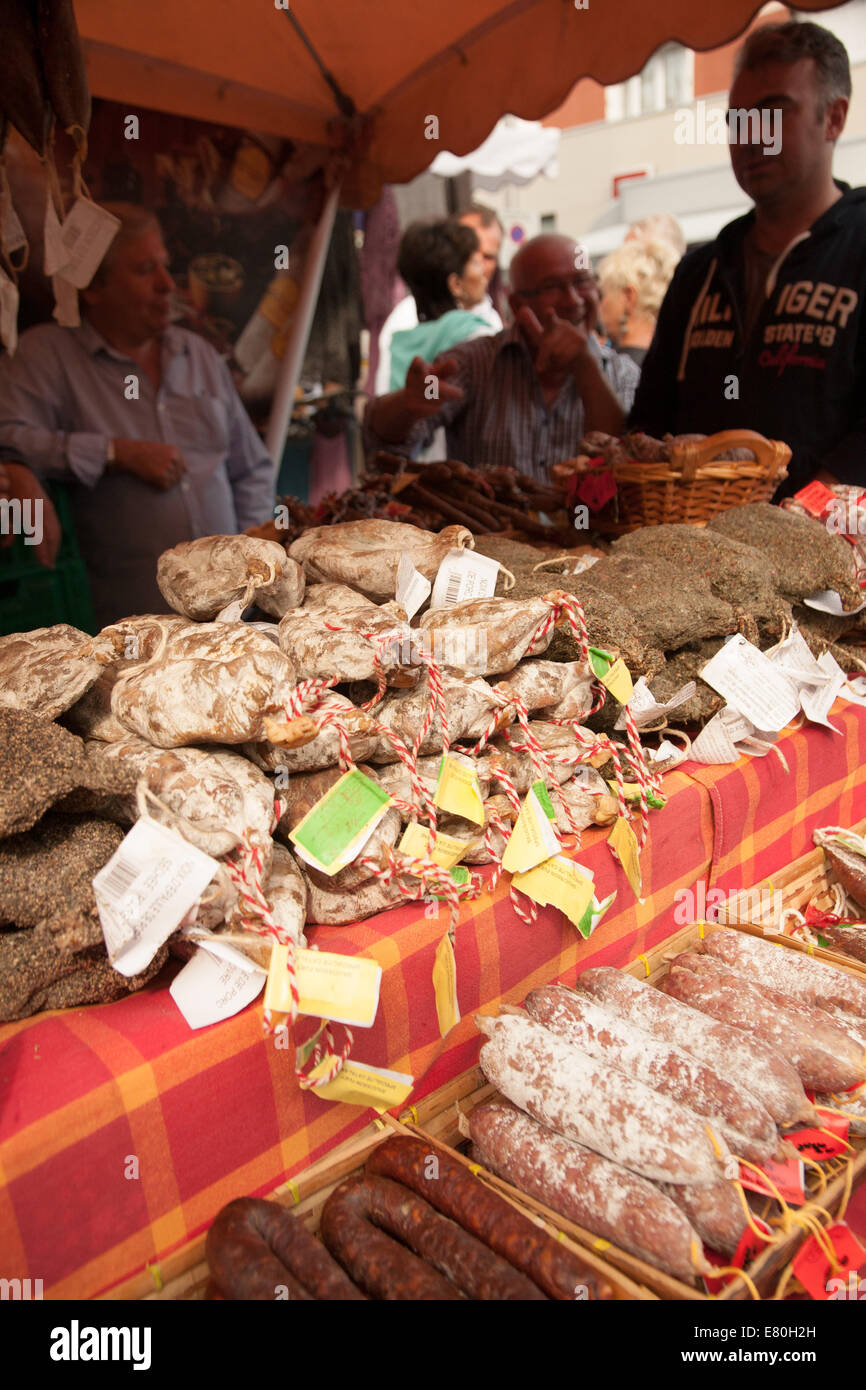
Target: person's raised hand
[17, 481]
[160, 465]
[428, 387]
[559, 345]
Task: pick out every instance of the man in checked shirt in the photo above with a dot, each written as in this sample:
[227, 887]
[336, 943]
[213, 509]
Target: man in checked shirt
[525, 396]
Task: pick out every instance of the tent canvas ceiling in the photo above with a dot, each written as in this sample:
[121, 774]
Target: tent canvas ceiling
[466, 62]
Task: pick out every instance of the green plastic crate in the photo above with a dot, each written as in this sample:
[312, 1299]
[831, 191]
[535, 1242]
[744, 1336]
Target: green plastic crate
[32, 596]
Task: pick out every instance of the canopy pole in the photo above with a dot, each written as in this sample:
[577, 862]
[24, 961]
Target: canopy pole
[296, 346]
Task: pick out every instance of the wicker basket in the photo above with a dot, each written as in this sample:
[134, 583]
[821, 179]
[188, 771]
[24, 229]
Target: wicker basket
[692, 487]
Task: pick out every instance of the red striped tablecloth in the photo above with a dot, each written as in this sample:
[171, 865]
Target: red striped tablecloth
[122, 1132]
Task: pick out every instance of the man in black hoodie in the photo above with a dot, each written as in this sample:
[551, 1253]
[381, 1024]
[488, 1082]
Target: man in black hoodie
[765, 328]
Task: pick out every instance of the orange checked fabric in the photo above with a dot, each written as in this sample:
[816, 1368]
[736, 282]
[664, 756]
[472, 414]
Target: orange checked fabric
[123, 1132]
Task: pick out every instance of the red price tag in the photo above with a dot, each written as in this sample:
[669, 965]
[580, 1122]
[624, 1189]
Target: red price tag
[749, 1248]
[596, 489]
[816, 498]
[818, 1145]
[787, 1176]
[838, 1124]
[816, 1273]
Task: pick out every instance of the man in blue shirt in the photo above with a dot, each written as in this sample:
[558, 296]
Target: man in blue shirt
[139, 418]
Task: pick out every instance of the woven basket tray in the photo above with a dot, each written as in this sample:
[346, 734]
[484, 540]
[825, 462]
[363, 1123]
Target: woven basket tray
[694, 486]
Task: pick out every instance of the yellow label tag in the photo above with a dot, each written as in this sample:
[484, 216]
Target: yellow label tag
[533, 838]
[446, 851]
[560, 883]
[618, 681]
[457, 791]
[344, 989]
[624, 841]
[358, 1084]
[445, 986]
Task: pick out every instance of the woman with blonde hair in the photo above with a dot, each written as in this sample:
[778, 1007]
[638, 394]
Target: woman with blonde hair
[633, 281]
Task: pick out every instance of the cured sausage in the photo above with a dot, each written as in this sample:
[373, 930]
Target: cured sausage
[665, 1068]
[255, 1249]
[745, 1061]
[807, 980]
[451, 1189]
[716, 1213]
[63, 62]
[24, 99]
[596, 1104]
[825, 1058]
[383, 1267]
[601, 1196]
[470, 1266]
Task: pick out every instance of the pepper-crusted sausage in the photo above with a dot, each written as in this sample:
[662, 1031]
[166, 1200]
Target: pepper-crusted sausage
[453, 1190]
[255, 1248]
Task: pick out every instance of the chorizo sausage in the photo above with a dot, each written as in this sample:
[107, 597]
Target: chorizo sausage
[745, 1061]
[449, 1187]
[379, 1264]
[255, 1248]
[664, 1067]
[716, 1213]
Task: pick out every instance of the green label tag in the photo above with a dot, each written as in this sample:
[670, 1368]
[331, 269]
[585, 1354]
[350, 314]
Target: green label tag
[459, 875]
[332, 833]
[600, 660]
[822, 941]
[546, 804]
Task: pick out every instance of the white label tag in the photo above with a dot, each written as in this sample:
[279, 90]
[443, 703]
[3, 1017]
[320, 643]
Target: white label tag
[645, 708]
[65, 303]
[412, 588]
[716, 743]
[145, 890]
[817, 703]
[752, 685]
[12, 235]
[55, 255]
[8, 313]
[85, 236]
[855, 690]
[828, 601]
[213, 987]
[665, 751]
[464, 575]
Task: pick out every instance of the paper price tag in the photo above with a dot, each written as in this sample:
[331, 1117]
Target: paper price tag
[817, 1275]
[458, 875]
[558, 882]
[445, 986]
[412, 588]
[750, 682]
[837, 1124]
[358, 1084]
[447, 850]
[212, 987]
[600, 661]
[344, 989]
[55, 255]
[815, 1144]
[816, 497]
[828, 601]
[335, 831]
[463, 575]
[86, 234]
[787, 1175]
[618, 681]
[65, 309]
[645, 709]
[750, 1246]
[631, 791]
[457, 791]
[623, 839]
[145, 890]
[533, 838]
[13, 237]
[593, 915]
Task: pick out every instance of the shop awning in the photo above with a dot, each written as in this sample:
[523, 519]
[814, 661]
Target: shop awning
[463, 63]
[515, 151]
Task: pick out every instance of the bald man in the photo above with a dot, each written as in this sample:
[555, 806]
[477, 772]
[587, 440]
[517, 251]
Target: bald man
[525, 396]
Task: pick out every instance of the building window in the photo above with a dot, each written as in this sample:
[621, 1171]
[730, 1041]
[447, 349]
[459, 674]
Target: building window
[548, 222]
[666, 81]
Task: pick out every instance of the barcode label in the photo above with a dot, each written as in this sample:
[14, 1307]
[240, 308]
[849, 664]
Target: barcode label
[452, 592]
[118, 879]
